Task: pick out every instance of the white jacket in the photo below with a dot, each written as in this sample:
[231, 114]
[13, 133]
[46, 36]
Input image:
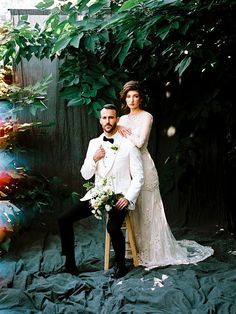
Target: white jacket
[123, 166]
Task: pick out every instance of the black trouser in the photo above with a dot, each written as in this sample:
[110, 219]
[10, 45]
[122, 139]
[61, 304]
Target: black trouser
[81, 211]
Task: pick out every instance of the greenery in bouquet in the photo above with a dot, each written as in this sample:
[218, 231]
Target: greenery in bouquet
[104, 197]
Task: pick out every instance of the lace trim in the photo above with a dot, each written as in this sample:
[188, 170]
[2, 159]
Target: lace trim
[155, 241]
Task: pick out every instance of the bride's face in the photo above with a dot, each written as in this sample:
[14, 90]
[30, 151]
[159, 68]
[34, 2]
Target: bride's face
[133, 99]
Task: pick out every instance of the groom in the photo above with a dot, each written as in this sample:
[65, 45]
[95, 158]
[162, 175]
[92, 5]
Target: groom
[113, 156]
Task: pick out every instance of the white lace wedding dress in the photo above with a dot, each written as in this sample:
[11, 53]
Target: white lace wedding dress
[155, 241]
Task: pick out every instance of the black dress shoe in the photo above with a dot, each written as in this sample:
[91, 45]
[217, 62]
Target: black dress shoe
[120, 271]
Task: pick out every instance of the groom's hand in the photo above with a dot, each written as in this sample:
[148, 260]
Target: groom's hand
[99, 154]
[122, 203]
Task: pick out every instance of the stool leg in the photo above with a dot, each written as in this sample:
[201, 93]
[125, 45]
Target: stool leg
[107, 251]
[131, 240]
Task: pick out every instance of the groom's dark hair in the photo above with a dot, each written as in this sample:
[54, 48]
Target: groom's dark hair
[111, 106]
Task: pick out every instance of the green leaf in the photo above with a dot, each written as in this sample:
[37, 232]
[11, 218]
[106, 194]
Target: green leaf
[28, 56]
[95, 107]
[6, 244]
[182, 66]
[66, 8]
[124, 52]
[90, 41]
[75, 102]
[62, 43]
[116, 50]
[89, 24]
[90, 93]
[175, 25]
[76, 40]
[88, 185]
[97, 6]
[33, 110]
[184, 28]
[24, 17]
[163, 31]
[111, 92]
[44, 4]
[54, 21]
[7, 57]
[128, 5]
[141, 38]
[82, 4]
[75, 197]
[70, 92]
[102, 82]
[104, 36]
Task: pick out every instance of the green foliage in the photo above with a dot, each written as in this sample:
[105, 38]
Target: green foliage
[101, 44]
[92, 36]
[32, 96]
[88, 185]
[34, 195]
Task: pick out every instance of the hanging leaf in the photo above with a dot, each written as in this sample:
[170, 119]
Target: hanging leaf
[8, 56]
[44, 4]
[182, 66]
[163, 31]
[90, 42]
[60, 44]
[97, 6]
[102, 82]
[175, 25]
[6, 244]
[95, 107]
[76, 40]
[75, 102]
[37, 105]
[128, 5]
[24, 17]
[124, 51]
[115, 52]
[104, 36]
[110, 91]
[70, 92]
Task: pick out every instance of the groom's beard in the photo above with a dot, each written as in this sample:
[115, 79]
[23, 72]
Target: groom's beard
[109, 128]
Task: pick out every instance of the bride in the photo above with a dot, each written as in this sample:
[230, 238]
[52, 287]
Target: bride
[155, 241]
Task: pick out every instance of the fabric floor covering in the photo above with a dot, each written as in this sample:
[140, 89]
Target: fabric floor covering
[31, 281]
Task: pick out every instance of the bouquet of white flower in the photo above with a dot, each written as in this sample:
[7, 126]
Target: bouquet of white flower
[104, 197]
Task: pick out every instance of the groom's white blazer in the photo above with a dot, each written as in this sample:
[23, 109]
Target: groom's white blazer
[122, 164]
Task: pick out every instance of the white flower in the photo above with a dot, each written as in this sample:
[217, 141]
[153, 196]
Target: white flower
[107, 189]
[104, 198]
[108, 207]
[98, 217]
[99, 212]
[93, 202]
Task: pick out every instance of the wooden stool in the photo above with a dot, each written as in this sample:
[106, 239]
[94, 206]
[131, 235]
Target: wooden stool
[131, 240]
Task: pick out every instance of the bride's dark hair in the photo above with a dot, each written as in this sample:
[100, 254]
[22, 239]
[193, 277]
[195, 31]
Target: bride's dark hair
[131, 85]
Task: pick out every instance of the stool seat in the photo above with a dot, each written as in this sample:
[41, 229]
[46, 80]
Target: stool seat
[127, 226]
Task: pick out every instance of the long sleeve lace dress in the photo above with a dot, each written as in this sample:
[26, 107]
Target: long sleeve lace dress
[156, 244]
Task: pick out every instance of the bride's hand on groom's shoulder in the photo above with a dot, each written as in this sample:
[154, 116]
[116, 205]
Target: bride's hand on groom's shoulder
[124, 131]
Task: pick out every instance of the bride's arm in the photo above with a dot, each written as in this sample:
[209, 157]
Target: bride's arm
[144, 131]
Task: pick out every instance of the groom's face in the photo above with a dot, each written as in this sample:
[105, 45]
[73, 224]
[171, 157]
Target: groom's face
[108, 120]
